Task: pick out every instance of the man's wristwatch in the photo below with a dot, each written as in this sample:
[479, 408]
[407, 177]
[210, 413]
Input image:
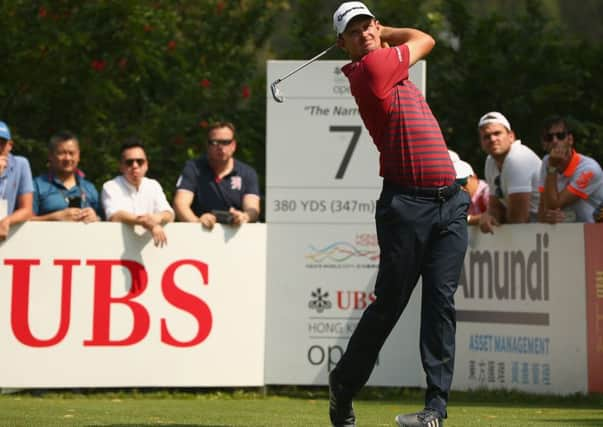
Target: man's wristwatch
[551, 169]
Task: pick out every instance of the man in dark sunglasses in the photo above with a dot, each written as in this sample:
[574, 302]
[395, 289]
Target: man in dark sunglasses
[511, 171]
[134, 199]
[571, 184]
[217, 187]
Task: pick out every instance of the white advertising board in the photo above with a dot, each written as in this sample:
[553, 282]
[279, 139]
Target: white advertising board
[322, 166]
[521, 320]
[321, 279]
[99, 305]
[69, 316]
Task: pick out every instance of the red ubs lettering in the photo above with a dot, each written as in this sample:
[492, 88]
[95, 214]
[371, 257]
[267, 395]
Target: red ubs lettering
[103, 300]
[354, 300]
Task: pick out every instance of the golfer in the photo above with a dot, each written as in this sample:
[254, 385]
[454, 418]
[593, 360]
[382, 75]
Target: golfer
[420, 215]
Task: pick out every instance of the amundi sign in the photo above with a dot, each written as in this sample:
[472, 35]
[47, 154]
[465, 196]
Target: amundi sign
[508, 274]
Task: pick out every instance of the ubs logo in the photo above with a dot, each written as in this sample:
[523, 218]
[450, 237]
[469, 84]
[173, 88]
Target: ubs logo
[320, 301]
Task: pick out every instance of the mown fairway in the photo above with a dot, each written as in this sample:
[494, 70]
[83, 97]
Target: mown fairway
[300, 408]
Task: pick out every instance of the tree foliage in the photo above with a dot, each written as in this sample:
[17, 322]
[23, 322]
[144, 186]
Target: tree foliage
[160, 70]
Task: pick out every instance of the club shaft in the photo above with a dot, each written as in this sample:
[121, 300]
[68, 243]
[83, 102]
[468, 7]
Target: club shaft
[305, 64]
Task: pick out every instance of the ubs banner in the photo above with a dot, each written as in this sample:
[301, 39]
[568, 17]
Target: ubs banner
[99, 306]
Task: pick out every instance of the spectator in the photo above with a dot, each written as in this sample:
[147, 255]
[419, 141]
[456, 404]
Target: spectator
[16, 185]
[571, 184]
[511, 173]
[217, 187]
[63, 194]
[134, 199]
[477, 188]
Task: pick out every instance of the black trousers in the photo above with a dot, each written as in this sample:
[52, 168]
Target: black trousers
[419, 235]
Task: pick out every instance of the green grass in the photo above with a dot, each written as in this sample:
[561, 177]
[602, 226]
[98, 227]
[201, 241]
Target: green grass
[284, 407]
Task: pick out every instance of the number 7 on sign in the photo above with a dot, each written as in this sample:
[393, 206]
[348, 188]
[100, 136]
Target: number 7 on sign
[348, 153]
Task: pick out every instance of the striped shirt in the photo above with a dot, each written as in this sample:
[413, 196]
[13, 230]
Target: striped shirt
[410, 143]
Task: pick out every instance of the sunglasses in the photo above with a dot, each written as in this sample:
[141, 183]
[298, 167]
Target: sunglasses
[498, 190]
[222, 142]
[548, 137]
[130, 162]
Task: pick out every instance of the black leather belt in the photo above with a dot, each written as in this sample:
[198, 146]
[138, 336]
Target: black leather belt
[436, 193]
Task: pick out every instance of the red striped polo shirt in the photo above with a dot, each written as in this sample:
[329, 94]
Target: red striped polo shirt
[410, 143]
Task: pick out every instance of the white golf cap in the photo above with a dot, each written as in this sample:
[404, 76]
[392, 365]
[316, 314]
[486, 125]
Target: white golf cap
[348, 10]
[494, 117]
[454, 156]
[462, 169]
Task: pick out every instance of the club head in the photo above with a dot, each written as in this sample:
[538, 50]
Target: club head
[276, 93]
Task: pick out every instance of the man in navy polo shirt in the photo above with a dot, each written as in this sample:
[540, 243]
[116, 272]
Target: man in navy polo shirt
[216, 187]
[62, 193]
[16, 187]
[421, 215]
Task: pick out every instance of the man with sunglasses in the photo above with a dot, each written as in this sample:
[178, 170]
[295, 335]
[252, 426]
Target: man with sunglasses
[134, 199]
[511, 171]
[216, 187]
[571, 184]
[62, 193]
[16, 186]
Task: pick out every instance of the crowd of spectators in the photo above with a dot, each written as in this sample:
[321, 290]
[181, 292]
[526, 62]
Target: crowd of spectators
[213, 188]
[518, 186]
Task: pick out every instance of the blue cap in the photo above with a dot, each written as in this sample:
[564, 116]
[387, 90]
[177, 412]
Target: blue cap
[4, 131]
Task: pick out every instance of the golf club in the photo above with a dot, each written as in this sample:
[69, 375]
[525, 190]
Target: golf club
[276, 93]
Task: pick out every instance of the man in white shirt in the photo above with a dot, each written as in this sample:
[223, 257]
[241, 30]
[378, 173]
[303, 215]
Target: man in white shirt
[133, 198]
[571, 184]
[511, 172]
